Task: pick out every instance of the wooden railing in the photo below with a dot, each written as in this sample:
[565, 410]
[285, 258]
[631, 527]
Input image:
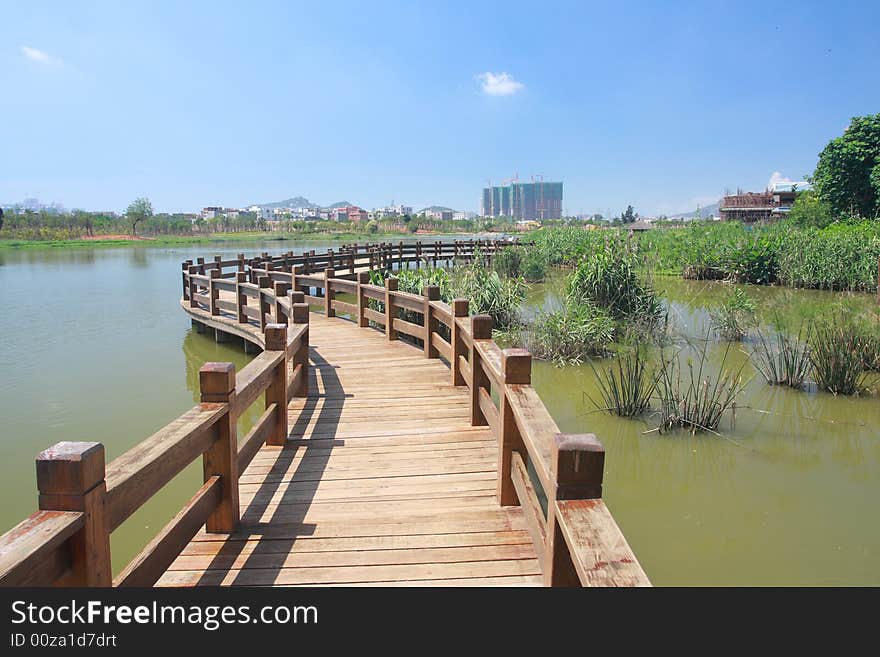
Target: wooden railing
[556, 478]
[67, 542]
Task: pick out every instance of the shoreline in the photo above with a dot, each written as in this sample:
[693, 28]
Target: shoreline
[215, 238]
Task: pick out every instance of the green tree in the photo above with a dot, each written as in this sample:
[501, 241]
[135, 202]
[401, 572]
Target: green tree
[848, 173]
[629, 215]
[139, 210]
[1, 218]
[809, 210]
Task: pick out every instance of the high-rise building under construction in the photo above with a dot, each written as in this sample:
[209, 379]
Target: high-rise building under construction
[524, 200]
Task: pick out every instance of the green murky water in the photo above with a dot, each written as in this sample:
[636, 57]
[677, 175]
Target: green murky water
[788, 497]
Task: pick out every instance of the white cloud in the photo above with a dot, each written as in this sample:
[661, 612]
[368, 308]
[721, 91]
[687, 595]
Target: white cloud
[777, 177]
[499, 84]
[37, 55]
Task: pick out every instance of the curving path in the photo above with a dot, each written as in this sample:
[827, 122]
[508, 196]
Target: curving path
[383, 480]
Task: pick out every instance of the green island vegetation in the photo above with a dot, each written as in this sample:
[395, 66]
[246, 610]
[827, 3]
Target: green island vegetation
[609, 309]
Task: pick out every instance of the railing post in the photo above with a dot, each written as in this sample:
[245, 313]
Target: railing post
[265, 283]
[185, 268]
[432, 293]
[200, 263]
[241, 262]
[214, 292]
[390, 311]
[516, 368]
[481, 329]
[299, 313]
[459, 309]
[363, 278]
[217, 386]
[70, 477]
[281, 290]
[276, 340]
[577, 463]
[240, 297]
[193, 286]
[329, 294]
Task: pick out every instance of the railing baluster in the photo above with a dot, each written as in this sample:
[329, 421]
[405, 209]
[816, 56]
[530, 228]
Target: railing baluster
[432, 293]
[363, 278]
[576, 465]
[390, 311]
[214, 292]
[217, 386]
[276, 340]
[481, 329]
[516, 368]
[70, 477]
[459, 309]
[329, 294]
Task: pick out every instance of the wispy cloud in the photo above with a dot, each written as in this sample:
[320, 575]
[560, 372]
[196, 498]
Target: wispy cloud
[37, 55]
[499, 84]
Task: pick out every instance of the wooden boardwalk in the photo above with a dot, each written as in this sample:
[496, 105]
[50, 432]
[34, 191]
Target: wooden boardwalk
[366, 492]
[401, 446]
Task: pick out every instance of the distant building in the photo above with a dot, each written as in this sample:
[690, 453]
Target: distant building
[211, 212]
[521, 200]
[438, 214]
[399, 210]
[752, 207]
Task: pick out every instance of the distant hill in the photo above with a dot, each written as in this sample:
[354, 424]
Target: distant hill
[704, 212]
[295, 202]
[436, 208]
[301, 202]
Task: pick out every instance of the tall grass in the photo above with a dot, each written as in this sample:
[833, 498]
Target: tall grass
[837, 353]
[693, 397]
[571, 335]
[735, 315]
[610, 278]
[626, 386]
[782, 361]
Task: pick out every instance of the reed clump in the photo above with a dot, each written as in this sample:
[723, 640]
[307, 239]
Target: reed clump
[837, 353]
[627, 385]
[735, 315]
[693, 397]
[782, 360]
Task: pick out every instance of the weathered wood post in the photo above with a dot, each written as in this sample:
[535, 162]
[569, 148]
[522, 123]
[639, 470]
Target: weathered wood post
[390, 310]
[352, 253]
[217, 386]
[481, 329]
[240, 297]
[276, 340]
[300, 315]
[432, 293]
[399, 255]
[70, 477]
[265, 283]
[281, 289]
[577, 464]
[193, 286]
[214, 292]
[363, 278]
[200, 263]
[459, 309]
[240, 262]
[185, 271]
[516, 368]
[329, 294]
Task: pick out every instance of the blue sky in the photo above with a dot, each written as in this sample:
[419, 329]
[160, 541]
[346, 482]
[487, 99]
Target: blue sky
[658, 104]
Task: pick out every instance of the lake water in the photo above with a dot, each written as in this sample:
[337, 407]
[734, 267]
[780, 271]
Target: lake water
[95, 347]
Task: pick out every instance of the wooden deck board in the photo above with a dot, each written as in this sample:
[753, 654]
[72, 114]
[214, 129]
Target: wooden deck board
[366, 493]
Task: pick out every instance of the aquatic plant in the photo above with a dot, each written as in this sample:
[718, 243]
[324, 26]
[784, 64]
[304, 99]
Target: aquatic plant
[627, 385]
[837, 353]
[572, 334]
[783, 360]
[609, 278]
[735, 315]
[695, 397]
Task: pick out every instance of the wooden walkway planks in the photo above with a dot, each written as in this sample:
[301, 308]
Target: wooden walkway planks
[383, 481]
